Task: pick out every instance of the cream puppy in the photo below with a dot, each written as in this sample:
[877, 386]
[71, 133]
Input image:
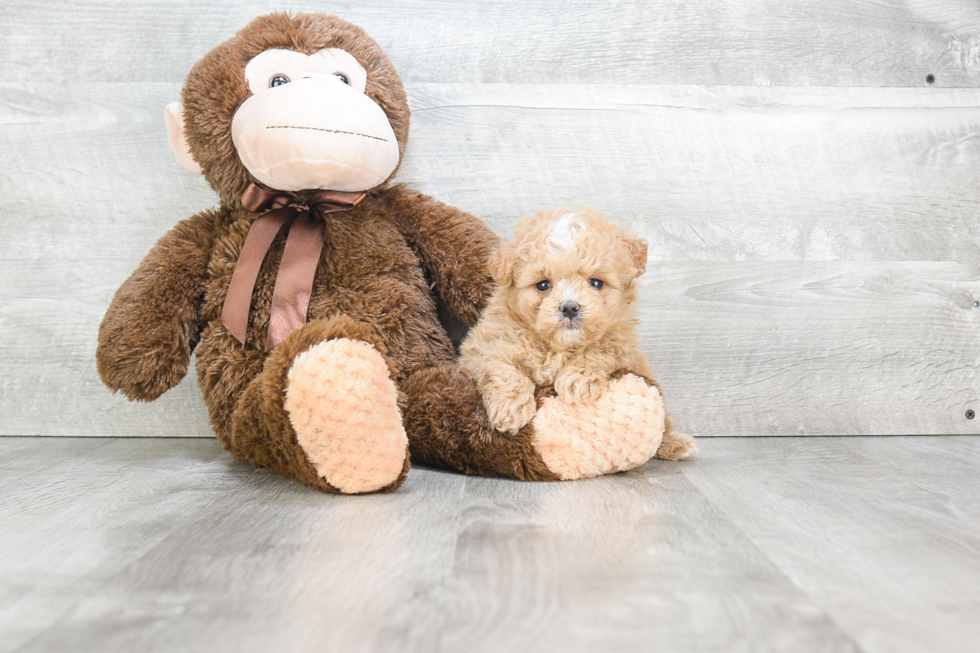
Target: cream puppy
[563, 315]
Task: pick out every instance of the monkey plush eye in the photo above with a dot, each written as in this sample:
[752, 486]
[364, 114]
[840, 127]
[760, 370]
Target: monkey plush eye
[596, 283]
[343, 78]
[544, 286]
[278, 80]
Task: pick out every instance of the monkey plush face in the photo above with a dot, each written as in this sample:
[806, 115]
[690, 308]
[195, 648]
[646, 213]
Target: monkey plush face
[296, 102]
[308, 123]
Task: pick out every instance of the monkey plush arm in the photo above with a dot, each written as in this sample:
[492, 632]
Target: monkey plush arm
[454, 247]
[152, 325]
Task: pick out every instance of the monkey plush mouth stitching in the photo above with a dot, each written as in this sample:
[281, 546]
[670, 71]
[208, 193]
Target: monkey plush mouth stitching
[334, 131]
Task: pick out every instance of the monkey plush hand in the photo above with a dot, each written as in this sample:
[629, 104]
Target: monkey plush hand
[309, 291]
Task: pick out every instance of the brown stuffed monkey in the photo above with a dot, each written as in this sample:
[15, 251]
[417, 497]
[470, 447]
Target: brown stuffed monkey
[309, 291]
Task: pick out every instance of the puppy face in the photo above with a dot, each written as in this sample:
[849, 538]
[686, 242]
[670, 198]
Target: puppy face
[568, 275]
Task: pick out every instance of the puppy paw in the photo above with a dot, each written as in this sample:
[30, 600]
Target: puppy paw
[677, 446]
[580, 387]
[511, 415]
[510, 406]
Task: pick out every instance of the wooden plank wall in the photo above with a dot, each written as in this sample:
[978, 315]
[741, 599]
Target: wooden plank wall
[811, 200]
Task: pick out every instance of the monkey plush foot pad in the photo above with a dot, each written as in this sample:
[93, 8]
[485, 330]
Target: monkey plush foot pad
[620, 430]
[343, 406]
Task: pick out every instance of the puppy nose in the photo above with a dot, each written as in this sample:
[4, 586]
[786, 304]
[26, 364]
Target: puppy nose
[570, 309]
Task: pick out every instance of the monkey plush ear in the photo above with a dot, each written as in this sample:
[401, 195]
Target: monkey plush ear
[502, 263]
[174, 116]
[637, 249]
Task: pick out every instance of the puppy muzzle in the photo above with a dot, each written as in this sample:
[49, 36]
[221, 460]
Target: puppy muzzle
[570, 315]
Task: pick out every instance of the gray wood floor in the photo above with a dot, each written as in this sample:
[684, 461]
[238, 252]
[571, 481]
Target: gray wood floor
[762, 544]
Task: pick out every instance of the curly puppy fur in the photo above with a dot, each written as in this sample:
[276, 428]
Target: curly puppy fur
[563, 315]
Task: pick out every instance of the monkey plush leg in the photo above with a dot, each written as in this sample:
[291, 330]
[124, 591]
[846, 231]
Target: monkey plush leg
[448, 426]
[324, 411]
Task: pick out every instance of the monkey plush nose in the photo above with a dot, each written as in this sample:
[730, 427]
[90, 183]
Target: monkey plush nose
[570, 309]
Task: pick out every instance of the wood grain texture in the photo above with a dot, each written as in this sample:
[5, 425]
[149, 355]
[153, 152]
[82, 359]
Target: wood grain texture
[812, 250]
[815, 348]
[742, 42]
[642, 560]
[874, 534]
[721, 173]
[87, 504]
[762, 544]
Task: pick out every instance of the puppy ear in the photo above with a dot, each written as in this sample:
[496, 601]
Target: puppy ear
[502, 263]
[637, 249]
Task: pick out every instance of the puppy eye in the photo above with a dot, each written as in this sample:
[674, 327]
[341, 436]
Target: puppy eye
[596, 283]
[342, 77]
[544, 286]
[278, 80]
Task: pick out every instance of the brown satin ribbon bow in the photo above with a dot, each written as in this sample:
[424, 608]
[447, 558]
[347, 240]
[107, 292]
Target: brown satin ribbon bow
[294, 279]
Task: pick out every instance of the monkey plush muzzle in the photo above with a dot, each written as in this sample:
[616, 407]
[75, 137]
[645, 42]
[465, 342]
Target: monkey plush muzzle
[317, 132]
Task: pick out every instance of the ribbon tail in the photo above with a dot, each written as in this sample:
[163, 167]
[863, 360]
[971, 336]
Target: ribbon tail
[294, 280]
[234, 312]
